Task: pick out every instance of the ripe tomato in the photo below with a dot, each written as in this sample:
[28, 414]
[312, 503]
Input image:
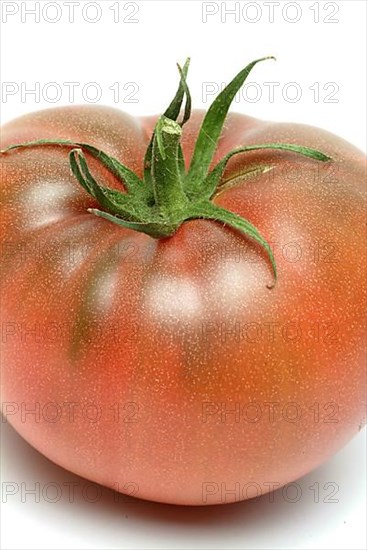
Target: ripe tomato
[167, 368]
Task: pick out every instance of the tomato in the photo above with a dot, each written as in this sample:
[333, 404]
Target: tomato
[174, 367]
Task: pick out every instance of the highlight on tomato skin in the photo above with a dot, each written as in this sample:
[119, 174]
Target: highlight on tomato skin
[182, 296]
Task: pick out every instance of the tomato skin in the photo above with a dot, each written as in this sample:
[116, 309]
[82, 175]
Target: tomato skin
[177, 333]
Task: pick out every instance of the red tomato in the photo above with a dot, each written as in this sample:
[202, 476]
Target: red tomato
[167, 368]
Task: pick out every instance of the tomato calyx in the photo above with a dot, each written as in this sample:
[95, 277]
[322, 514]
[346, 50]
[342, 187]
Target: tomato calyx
[168, 195]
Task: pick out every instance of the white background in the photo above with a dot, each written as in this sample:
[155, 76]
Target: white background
[324, 54]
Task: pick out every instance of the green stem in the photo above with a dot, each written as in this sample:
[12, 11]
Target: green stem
[166, 173]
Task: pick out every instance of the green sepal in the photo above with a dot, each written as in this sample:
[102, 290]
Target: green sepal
[183, 83]
[208, 210]
[187, 114]
[212, 181]
[211, 128]
[237, 178]
[156, 229]
[127, 177]
[110, 199]
[174, 108]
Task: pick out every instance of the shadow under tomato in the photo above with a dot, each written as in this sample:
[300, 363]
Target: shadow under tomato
[317, 503]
